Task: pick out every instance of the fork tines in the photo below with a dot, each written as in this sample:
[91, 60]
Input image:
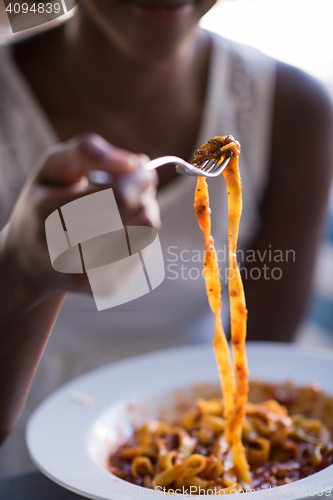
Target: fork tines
[208, 165]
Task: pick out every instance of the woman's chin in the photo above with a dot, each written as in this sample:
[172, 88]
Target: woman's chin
[161, 12]
[148, 30]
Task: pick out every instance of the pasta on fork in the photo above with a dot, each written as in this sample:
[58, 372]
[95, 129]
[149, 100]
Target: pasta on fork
[234, 386]
[224, 445]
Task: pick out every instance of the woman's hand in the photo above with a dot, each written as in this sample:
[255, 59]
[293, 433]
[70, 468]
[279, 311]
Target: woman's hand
[61, 176]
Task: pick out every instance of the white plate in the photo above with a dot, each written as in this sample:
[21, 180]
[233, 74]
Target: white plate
[69, 435]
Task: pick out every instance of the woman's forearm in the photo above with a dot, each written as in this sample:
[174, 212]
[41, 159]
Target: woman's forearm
[26, 320]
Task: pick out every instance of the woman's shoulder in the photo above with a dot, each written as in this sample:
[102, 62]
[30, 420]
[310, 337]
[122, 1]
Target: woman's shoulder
[20, 59]
[292, 84]
[25, 132]
[36, 45]
[35, 55]
[299, 100]
[303, 98]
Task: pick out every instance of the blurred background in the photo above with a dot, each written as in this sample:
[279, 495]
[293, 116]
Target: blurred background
[298, 32]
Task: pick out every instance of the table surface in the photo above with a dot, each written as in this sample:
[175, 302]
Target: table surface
[34, 486]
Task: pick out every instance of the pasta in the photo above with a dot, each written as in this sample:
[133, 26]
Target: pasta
[191, 452]
[225, 445]
[234, 391]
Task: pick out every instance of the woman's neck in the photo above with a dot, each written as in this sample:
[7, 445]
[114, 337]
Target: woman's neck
[118, 79]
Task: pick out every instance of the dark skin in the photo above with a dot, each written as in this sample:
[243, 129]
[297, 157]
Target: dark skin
[144, 67]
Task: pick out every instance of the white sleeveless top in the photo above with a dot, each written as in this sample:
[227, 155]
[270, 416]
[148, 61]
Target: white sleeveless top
[239, 101]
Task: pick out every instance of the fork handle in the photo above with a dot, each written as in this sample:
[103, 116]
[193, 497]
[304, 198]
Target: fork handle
[163, 160]
[182, 166]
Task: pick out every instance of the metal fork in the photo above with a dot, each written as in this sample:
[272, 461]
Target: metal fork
[209, 168]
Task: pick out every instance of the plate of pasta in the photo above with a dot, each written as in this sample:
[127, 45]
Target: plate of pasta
[183, 423]
[73, 433]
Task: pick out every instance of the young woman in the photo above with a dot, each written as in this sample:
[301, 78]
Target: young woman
[124, 77]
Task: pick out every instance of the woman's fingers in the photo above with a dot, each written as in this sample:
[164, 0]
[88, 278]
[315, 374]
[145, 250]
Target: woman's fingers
[63, 175]
[71, 162]
[134, 193]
